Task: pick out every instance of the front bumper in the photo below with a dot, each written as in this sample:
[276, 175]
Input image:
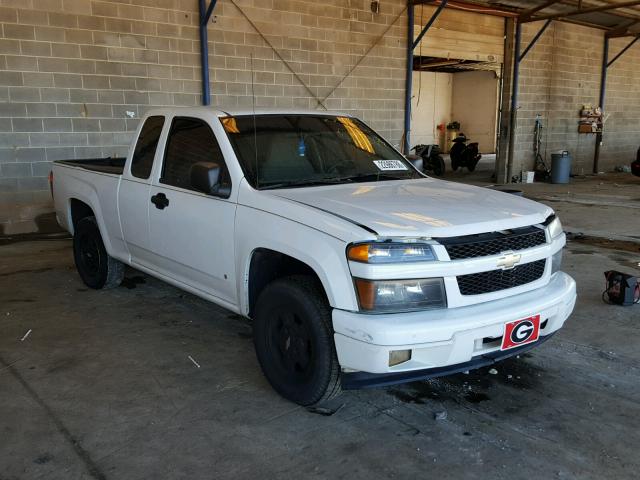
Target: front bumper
[442, 338]
[355, 380]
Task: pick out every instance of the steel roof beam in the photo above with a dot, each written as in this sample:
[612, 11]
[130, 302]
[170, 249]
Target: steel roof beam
[207, 15]
[535, 39]
[622, 30]
[629, 45]
[433, 18]
[600, 8]
[529, 13]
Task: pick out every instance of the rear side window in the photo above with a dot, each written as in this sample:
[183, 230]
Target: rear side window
[142, 160]
[190, 141]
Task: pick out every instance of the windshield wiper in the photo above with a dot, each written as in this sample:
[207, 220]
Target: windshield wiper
[360, 177]
[365, 177]
[303, 182]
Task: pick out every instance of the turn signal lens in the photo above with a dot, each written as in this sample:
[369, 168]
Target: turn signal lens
[359, 253]
[390, 252]
[377, 296]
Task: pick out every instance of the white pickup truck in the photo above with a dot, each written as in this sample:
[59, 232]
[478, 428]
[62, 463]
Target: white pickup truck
[356, 269]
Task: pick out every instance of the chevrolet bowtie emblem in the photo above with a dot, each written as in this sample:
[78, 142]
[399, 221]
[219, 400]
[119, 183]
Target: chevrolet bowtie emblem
[509, 260]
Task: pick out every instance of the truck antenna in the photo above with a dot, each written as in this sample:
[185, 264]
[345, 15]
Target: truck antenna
[255, 134]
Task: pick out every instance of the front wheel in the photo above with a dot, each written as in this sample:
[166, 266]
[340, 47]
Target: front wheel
[454, 163]
[438, 166]
[96, 268]
[293, 339]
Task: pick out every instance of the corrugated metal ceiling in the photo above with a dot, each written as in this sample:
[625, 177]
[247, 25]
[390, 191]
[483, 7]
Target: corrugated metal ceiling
[624, 20]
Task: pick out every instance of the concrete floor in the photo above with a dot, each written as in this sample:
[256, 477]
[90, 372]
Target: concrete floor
[103, 387]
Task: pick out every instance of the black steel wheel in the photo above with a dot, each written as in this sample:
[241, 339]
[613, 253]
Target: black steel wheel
[96, 268]
[293, 339]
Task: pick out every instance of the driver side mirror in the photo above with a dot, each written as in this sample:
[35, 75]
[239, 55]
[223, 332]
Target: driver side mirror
[205, 178]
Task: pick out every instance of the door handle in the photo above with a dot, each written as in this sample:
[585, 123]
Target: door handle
[160, 200]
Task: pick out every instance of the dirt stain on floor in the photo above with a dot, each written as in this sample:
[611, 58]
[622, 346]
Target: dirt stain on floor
[21, 300]
[474, 386]
[604, 242]
[19, 272]
[131, 283]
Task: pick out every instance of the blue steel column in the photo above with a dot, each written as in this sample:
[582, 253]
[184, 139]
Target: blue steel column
[603, 91]
[605, 65]
[411, 45]
[204, 53]
[514, 101]
[409, 79]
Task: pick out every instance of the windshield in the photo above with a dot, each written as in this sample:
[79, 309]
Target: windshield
[306, 150]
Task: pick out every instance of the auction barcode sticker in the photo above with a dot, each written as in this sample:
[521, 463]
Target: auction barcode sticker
[390, 165]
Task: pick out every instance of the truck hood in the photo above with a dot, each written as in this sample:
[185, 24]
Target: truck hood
[421, 208]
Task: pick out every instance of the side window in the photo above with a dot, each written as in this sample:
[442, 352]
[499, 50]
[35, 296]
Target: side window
[142, 160]
[190, 141]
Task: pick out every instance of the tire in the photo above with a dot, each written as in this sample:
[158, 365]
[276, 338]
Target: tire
[293, 338]
[473, 162]
[456, 156]
[96, 268]
[438, 166]
[454, 163]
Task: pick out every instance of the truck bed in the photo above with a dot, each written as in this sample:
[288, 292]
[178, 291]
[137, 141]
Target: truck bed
[113, 165]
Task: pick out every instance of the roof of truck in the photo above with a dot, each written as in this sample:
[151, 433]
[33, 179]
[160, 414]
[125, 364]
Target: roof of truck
[235, 112]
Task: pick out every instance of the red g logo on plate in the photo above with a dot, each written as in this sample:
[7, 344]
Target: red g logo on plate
[521, 332]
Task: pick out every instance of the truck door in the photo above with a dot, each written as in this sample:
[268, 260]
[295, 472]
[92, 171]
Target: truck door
[192, 232]
[133, 197]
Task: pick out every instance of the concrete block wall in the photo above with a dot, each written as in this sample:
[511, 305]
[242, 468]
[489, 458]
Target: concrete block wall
[558, 76]
[71, 70]
[622, 103]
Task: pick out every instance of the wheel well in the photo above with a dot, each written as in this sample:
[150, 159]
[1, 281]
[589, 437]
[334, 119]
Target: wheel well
[269, 265]
[79, 210]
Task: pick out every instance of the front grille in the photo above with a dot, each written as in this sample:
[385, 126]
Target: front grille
[495, 280]
[486, 244]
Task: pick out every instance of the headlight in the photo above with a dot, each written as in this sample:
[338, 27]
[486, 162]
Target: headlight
[400, 295]
[555, 228]
[389, 252]
[556, 262]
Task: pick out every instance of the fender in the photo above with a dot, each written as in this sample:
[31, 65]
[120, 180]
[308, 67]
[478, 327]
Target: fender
[319, 251]
[103, 203]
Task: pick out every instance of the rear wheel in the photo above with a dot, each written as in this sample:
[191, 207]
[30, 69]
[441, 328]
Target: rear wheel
[472, 162]
[293, 339]
[96, 268]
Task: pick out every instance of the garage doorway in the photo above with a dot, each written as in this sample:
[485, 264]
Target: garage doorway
[457, 70]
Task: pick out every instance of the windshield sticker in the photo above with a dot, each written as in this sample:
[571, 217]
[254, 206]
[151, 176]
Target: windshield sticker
[390, 165]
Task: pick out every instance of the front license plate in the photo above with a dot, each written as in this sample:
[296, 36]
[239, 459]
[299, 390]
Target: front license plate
[521, 332]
